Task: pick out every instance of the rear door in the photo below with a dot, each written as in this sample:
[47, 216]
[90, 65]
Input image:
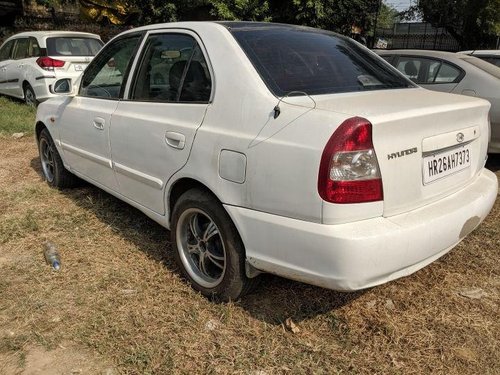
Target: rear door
[152, 132]
[85, 121]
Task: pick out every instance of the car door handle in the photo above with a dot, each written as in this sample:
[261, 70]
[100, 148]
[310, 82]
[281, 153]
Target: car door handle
[20, 65]
[98, 123]
[175, 140]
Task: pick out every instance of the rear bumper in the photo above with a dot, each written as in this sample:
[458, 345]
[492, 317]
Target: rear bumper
[365, 253]
[41, 87]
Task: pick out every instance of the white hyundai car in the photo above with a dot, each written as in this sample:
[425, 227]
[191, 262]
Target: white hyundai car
[273, 148]
[32, 61]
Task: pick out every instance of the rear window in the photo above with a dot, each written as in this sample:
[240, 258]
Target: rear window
[73, 46]
[314, 62]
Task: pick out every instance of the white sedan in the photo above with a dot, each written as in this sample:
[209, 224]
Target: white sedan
[273, 148]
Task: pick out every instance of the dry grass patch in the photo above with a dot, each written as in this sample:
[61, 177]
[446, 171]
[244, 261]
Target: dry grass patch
[119, 302]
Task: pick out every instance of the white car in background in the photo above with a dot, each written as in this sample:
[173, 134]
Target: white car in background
[273, 148]
[454, 73]
[32, 61]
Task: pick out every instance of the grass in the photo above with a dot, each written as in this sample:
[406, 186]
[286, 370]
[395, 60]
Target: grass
[15, 117]
[119, 302]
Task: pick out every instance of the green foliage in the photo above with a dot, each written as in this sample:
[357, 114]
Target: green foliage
[471, 22]
[338, 15]
[388, 16]
[251, 10]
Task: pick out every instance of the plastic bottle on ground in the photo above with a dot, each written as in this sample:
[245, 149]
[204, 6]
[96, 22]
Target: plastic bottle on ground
[52, 256]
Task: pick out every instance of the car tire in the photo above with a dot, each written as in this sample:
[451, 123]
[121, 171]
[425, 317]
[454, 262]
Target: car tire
[208, 248]
[29, 96]
[52, 166]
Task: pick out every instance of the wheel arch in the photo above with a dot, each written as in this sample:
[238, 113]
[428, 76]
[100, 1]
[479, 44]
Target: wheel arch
[182, 185]
[39, 126]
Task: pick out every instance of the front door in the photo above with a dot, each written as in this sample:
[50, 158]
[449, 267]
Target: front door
[153, 130]
[5, 61]
[16, 69]
[85, 121]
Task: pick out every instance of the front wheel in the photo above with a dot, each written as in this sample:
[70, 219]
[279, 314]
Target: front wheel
[208, 248]
[52, 166]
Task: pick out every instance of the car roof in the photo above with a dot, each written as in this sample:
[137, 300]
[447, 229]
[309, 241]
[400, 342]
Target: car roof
[53, 33]
[227, 25]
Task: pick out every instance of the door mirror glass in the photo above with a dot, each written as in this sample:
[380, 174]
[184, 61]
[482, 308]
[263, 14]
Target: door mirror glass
[62, 87]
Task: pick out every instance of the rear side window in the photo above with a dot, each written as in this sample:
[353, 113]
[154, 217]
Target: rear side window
[425, 70]
[33, 48]
[447, 74]
[5, 50]
[173, 69]
[21, 48]
[73, 46]
[314, 62]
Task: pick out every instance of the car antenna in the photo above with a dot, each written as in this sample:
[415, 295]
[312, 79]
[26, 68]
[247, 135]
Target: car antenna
[277, 109]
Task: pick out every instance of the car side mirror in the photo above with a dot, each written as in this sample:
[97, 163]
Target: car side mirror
[62, 86]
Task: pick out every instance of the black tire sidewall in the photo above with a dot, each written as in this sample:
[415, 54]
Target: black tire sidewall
[29, 88]
[234, 279]
[58, 165]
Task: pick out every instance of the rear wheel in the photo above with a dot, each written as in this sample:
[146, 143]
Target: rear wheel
[208, 248]
[52, 166]
[29, 96]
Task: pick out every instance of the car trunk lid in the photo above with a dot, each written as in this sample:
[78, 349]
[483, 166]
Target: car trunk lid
[428, 144]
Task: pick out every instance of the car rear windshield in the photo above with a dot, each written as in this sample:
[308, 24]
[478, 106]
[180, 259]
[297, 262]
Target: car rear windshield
[73, 46]
[314, 62]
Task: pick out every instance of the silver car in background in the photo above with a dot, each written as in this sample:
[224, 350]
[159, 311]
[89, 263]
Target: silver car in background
[454, 73]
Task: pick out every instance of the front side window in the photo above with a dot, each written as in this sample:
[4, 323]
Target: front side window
[73, 46]
[173, 69]
[5, 50]
[314, 62]
[104, 77]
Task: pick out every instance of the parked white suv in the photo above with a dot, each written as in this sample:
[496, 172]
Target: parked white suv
[32, 61]
[273, 148]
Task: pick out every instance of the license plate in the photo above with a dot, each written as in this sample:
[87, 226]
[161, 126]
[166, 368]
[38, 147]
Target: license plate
[446, 163]
[80, 67]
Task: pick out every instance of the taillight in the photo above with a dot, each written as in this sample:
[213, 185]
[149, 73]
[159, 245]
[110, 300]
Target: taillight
[48, 63]
[349, 171]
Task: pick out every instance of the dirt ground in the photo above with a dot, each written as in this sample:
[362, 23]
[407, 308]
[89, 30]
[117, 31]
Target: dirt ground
[119, 306]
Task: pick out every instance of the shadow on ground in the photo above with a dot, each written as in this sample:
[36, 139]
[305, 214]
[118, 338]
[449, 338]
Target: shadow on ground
[275, 300]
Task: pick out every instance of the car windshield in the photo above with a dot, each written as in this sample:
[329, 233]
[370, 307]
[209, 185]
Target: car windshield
[73, 46]
[484, 66]
[314, 61]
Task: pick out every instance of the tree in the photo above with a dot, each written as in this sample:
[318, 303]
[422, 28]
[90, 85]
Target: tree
[471, 22]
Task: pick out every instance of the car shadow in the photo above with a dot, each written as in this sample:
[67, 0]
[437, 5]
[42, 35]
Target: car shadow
[273, 301]
[493, 163]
